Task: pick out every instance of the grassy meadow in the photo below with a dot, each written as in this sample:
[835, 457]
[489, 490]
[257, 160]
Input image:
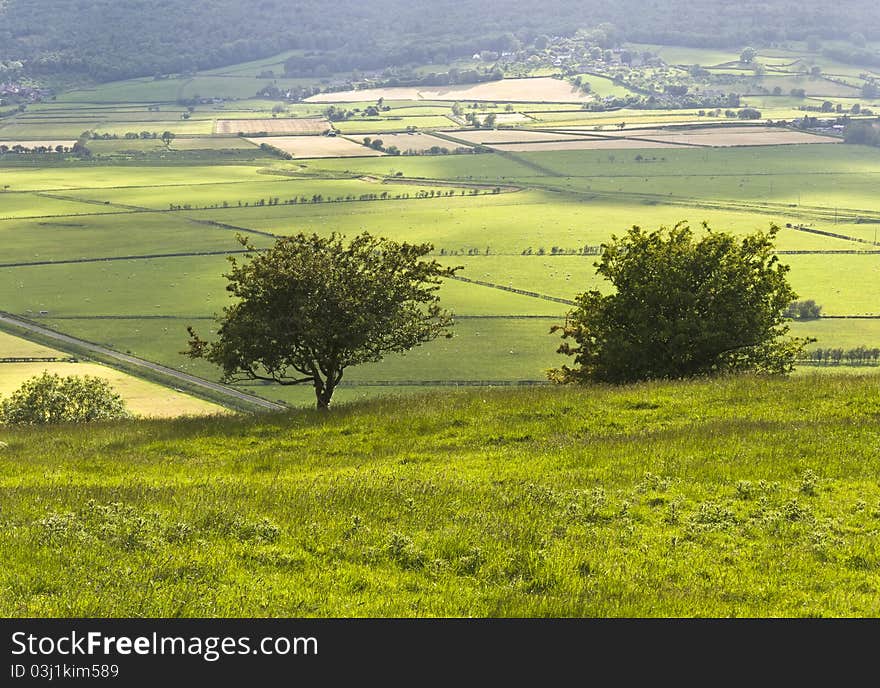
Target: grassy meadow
[738, 497]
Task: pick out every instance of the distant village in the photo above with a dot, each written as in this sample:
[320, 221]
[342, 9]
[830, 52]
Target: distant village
[15, 93]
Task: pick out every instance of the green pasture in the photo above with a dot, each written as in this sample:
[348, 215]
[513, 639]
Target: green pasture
[23, 205]
[604, 87]
[115, 147]
[843, 333]
[264, 188]
[843, 284]
[275, 63]
[145, 90]
[110, 235]
[690, 56]
[112, 177]
[177, 126]
[490, 349]
[416, 110]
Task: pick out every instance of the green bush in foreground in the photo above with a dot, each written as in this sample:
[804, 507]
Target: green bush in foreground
[50, 398]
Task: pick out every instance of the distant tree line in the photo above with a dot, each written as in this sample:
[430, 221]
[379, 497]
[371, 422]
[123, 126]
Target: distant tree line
[860, 355]
[864, 133]
[107, 39]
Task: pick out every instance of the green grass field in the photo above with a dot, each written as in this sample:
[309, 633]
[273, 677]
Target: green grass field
[741, 497]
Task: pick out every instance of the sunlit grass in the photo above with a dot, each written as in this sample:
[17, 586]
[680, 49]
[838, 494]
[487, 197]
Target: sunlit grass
[739, 497]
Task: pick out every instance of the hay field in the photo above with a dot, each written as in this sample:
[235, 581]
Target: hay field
[573, 145]
[737, 136]
[416, 142]
[715, 135]
[491, 136]
[303, 126]
[538, 90]
[316, 146]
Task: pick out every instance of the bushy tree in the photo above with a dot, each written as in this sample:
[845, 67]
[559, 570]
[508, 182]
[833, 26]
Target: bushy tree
[682, 306]
[748, 55]
[311, 306]
[51, 398]
[804, 310]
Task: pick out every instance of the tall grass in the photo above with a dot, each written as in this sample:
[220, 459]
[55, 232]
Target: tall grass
[735, 497]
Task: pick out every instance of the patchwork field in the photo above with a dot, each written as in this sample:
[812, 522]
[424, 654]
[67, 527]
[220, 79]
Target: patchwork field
[281, 125]
[584, 144]
[730, 136]
[317, 146]
[541, 89]
[416, 142]
[492, 136]
[130, 248]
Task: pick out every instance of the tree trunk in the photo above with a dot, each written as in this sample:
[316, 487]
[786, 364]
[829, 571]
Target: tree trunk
[323, 394]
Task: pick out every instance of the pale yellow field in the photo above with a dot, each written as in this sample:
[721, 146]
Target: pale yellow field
[317, 146]
[15, 346]
[539, 90]
[281, 125]
[745, 136]
[415, 142]
[35, 144]
[591, 144]
[510, 118]
[141, 397]
[510, 136]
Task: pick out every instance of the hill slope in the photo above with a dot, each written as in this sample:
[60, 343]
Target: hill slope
[111, 39]
[742, 497]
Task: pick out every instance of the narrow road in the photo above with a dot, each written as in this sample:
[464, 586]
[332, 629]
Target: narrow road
[134, 361]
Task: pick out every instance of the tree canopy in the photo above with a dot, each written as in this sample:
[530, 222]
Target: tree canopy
[682, 306]
[312, 306]
[110, 39]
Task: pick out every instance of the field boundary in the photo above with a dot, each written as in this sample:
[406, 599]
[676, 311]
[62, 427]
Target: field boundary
[522, 292]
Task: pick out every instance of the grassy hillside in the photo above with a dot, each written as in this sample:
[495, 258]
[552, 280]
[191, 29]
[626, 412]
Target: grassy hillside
[738, 497]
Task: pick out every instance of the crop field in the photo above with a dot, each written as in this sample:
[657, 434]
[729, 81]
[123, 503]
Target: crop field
[281, 125]
[595, 143]
[494, 136]
[318, 146]
[141, 397]
[541, 89]
[381, 125]
[733, 136]
[416, 142]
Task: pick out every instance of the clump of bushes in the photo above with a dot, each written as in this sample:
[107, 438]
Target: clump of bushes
[50, 398]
